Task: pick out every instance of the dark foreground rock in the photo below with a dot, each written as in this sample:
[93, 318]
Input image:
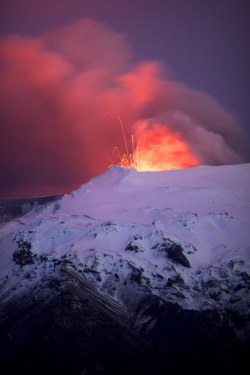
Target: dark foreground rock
[68, 327]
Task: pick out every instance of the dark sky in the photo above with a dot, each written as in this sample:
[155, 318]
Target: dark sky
[204, 44]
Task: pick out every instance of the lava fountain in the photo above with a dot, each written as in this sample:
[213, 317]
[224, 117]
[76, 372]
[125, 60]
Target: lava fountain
[155, 148]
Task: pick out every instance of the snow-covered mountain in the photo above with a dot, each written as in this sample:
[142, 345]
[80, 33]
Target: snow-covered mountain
[134, 272]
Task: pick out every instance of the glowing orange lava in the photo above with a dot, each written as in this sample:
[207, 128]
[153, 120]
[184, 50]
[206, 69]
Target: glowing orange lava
[155, 149]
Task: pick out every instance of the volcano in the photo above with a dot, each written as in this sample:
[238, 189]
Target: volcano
[134, 273]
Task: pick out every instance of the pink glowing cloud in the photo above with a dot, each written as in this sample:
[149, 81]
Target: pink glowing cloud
[60, 95]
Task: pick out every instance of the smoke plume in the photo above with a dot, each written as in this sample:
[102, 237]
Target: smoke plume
[61, 93]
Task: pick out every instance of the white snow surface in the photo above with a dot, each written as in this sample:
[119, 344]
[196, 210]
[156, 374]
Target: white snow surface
[208, 207]
[205, 210]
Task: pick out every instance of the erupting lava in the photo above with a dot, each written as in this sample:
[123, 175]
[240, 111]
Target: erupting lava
[155, 148]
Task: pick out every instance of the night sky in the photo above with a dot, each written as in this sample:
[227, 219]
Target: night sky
[64, 80]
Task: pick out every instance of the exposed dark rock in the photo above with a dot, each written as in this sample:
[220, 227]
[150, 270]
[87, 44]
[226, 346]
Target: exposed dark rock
[132, 247]
[136, 275]
[23, 255]
[24, 245]
[43, 258]
[162, 247]
[214, 293]
[177, 279]
[175, 253]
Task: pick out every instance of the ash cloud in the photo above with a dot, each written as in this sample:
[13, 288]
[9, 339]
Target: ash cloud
[60, 95]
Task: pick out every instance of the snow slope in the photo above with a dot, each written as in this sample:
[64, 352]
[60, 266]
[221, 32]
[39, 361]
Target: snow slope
[183, 235]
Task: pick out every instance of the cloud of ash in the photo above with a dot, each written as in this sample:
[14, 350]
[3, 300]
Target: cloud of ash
[61, 93]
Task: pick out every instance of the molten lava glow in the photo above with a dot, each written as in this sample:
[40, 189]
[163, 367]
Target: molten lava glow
[156, 149]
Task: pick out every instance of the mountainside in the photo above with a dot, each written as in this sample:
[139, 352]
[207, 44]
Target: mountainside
[135, 273]
[13, 208]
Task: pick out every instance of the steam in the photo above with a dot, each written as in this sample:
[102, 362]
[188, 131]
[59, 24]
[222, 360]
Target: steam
[60, 95]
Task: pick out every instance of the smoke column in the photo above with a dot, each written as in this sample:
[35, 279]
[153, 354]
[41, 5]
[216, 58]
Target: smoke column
[61, 93]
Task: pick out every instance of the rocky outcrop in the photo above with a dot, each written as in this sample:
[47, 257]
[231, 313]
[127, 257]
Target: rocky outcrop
[175, 252]
[23, 255]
